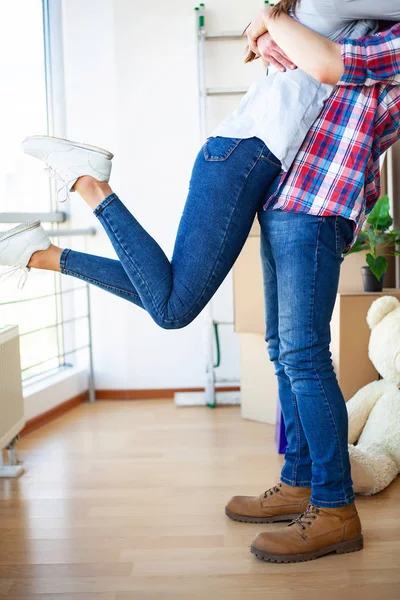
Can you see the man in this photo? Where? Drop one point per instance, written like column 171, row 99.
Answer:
column 306, row 226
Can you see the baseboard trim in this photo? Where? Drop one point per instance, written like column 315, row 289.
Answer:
column 65, row 407
column 54, row 413
column 167, row 393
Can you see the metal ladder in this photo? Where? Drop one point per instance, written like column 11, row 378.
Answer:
column 211, row 326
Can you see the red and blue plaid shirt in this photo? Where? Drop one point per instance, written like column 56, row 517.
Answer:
column 337, row 171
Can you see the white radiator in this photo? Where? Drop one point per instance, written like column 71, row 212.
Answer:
column 11, row 399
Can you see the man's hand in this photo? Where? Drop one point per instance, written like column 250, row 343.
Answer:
column 271, row 54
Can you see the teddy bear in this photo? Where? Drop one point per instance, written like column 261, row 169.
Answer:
column 374, row 411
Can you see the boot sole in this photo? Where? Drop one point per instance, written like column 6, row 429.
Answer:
column 19, row 229
column 246, row 519
column 63, row 141
column 340, row 548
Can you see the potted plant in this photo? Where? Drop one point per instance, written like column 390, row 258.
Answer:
column 376, row 233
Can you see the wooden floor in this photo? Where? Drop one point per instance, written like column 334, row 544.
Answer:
column 125, row 500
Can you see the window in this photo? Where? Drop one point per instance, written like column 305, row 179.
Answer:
column 51, row 315
column 23, row 105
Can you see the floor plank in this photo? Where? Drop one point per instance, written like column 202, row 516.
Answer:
column 125, row 500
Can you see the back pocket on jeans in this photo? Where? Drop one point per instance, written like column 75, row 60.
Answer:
column 219, row 148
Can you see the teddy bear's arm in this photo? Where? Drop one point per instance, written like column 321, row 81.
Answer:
column 361, row 404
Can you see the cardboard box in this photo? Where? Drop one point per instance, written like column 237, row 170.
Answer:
column 350, row 339
column 259, row 387
column 248, row 293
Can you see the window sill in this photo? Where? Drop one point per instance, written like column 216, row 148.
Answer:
column 51, row 391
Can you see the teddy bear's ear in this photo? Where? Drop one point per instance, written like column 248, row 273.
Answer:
column 380, row 308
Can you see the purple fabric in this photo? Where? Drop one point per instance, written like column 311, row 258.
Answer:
column 280, row 436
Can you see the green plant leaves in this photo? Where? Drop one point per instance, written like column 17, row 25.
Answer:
column 377, row 265
column 358, row 246
column 377, row 233
column 379, row 217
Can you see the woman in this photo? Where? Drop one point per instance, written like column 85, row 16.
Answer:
column 230, row 179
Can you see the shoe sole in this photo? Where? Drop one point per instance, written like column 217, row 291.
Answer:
column 246, row 519
column 340, row 548
column 63, row 141
column 19, row 229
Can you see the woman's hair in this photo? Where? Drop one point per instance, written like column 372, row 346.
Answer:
column 283, row 7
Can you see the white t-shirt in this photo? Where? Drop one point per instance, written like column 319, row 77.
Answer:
column 281, row 108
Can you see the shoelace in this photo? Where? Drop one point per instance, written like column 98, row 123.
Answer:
column 63, row 192
column 10, row 272
column 275, row 488
column 311, row 512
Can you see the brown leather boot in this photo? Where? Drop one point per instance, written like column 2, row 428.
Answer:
column 280, row 503
column 317, row 532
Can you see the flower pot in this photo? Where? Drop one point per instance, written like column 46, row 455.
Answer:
column 371, row 284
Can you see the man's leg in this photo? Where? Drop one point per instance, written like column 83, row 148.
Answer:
column 307, row 252
column 286, row 500
column 297, row 468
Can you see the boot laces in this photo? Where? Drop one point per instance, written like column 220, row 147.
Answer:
column 309, row 515
column 275, row 489
column 10, row 272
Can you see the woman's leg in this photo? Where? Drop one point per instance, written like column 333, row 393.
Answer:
column 297, row 468
column 230, row 179
column 105, row 273
column 307, row 252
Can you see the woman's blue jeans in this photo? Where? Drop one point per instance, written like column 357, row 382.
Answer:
column 229, row 182
column 301, row 257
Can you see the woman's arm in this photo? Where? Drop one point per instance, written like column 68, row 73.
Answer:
column 366, row 61
column 316, row 55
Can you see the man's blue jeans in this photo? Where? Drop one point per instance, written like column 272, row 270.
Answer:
column 301, row 257
column 229, row 182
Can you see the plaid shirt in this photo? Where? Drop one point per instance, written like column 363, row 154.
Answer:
column 337, row 171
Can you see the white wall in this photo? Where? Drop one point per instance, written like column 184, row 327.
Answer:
column 131, row 84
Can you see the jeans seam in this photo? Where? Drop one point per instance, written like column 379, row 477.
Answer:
column 336, row 235
column 338, row 503
column 104, row 204
column 338, row 251
column 312, row 361
column 100, row 284
column 298, row 448
column 63, row 259
column 295, row 483
column 210, row 158
column 270, row 161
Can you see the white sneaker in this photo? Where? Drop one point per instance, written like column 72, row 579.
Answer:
column 67, row 161
column 17, row 246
